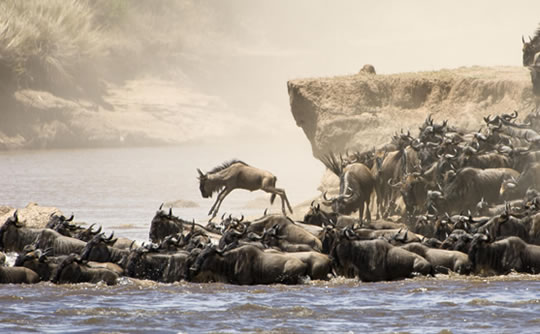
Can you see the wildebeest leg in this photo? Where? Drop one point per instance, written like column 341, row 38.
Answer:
column 368, row 212
column 281, row 193
column 215, row 208
column 361, row 212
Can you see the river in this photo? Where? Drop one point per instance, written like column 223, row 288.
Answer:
column 122, row 188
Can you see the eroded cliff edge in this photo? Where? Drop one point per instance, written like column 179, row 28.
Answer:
column 357, row 112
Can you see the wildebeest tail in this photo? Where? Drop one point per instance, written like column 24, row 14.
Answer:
column 331, row 162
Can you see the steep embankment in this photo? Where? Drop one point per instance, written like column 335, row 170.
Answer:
column 360, row 111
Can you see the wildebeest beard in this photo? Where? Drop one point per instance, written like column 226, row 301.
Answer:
column 209, row 187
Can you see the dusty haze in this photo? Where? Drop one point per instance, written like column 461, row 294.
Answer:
column 192, row 72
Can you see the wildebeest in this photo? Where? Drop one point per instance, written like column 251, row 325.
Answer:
column 73, row 270
column 237, row 174
column 501, row 257
column 468, row 187
column 59, row 244
column 356, row 183
column 287, row 228
column 274, row 238
column 14, row 236
column 17, row 275
column 529, row 178
column 375, row 260
column 38, row 261
column 454, row 260
column 164, row 224
column 246, row 265
column 319, row 266
column 99, row 249
column 531, row 48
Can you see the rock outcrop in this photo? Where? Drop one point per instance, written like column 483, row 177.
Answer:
column 32, row 215
column 360, row 111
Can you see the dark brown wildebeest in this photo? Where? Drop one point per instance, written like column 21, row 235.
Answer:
column 14, row 236
column 99, row 249
column 501, row 257
column 164, row 224
column 468, row 187
column 236, row 174
column 246, row 265
column 454, row 260
column 59, row 244
column 38, row 261
column 374, row 260
column 73, row 270
column 356, row 183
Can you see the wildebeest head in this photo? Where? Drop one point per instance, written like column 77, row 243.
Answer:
column 61, row 224
column 8, row 231
column 509, row 188
column 88, row 234
column 435, row 201
column 204, row 186
column 207, row 252
column 68, row 270
column 343, row 203
column 97, row 248
column 317, row 216
column 479, row 241
column 528, row 51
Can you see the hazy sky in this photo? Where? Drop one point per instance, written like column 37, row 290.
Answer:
column 244, row 51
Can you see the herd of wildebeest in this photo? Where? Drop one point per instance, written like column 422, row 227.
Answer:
column 445, row 201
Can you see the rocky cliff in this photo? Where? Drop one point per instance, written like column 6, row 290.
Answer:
column 357, row 112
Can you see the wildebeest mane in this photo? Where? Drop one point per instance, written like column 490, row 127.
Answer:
column 225, row 165
column 536, row 38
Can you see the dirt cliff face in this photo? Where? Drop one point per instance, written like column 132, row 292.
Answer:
column 360, row 111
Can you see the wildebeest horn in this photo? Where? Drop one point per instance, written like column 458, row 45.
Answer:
column 170, row 212
column 522, row 39
column 201, row 174
column 396, row 185
column 223, row 215
column 98, row 230
column 161, row 207
column 265, row 212
column 70, row 218
column 327, row 201
column 349, row 233
column 514, row 114
column 241, row 219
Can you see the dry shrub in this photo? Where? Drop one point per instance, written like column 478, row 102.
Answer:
column 49, row 43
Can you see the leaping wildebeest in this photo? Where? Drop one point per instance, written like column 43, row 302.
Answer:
column 237, row 174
